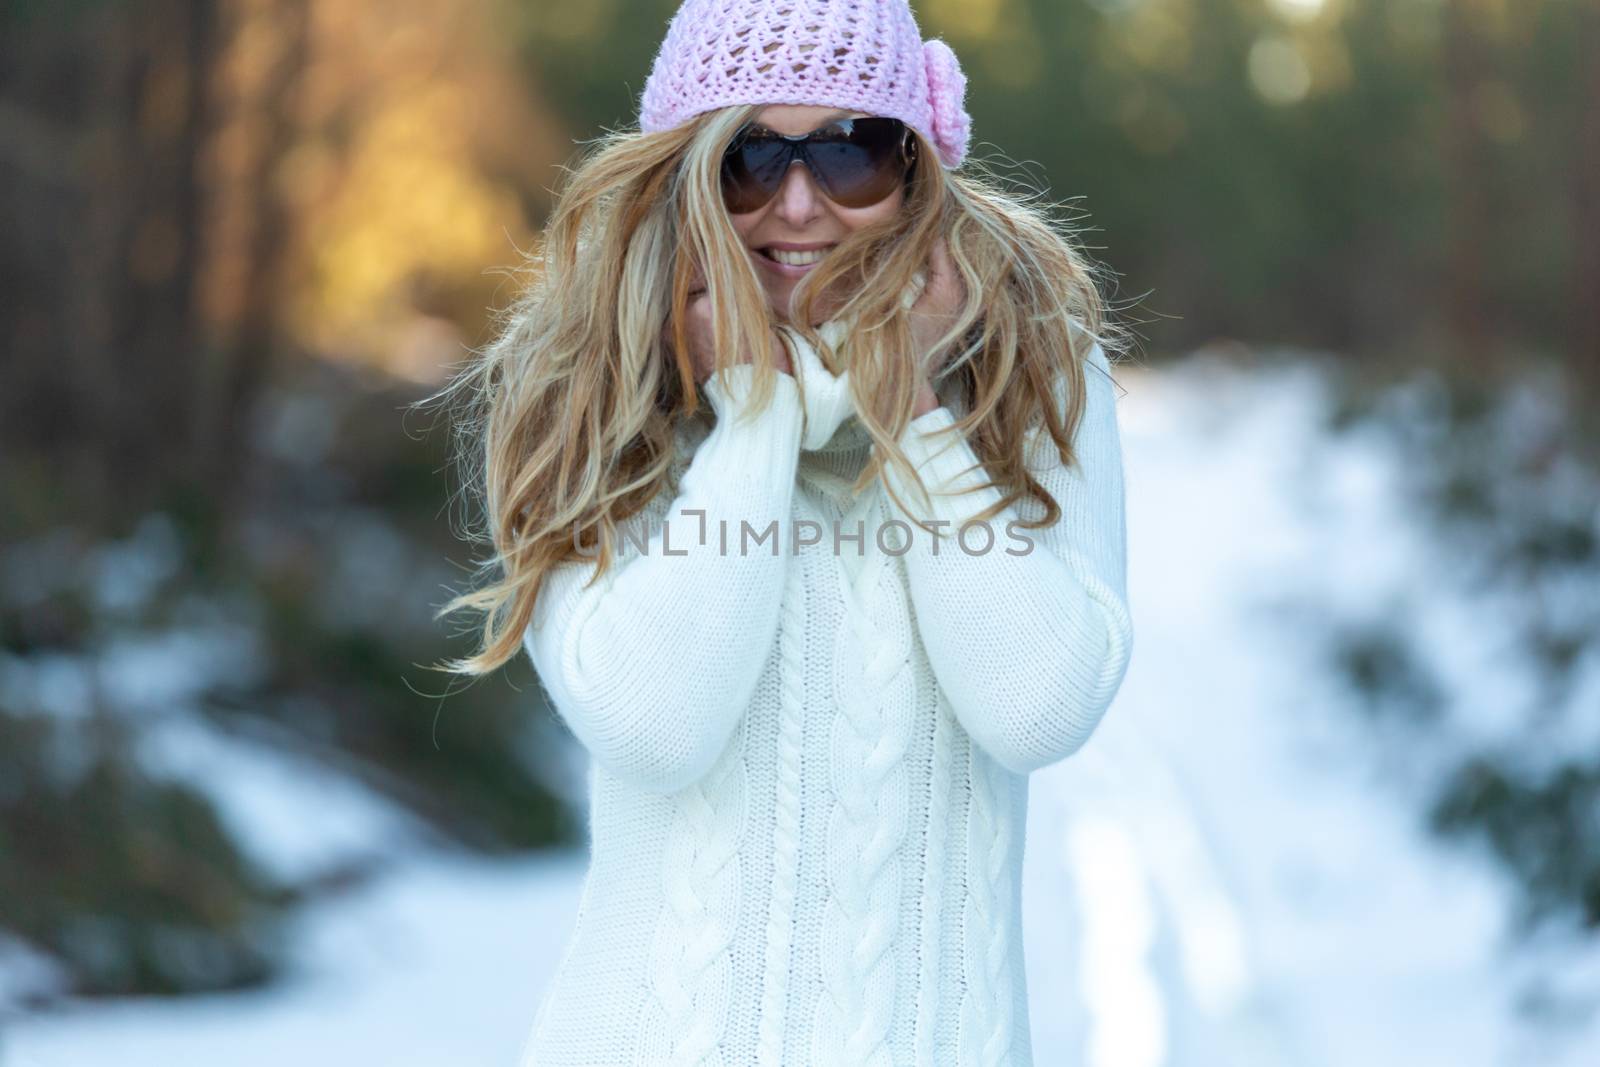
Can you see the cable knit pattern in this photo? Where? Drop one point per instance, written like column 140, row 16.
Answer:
column 786, row 824
column 807, row 766
column 866, row 56
column 691, row 972
column 875, row 694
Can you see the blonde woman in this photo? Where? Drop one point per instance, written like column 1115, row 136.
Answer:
column 805, row 488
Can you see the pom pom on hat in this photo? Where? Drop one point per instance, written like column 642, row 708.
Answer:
column 947, row 90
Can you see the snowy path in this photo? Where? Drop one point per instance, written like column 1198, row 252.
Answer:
column 1216, row 880
column 1231, row 883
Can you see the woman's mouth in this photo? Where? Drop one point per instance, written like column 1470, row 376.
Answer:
column 789, row 263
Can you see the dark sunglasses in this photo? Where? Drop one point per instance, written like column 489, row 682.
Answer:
column 857, row 162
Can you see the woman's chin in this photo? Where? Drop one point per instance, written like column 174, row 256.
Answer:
column 778, row 302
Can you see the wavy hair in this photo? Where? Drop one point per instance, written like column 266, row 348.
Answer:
column 571, row 412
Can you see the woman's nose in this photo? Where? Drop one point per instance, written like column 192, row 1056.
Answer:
column 799, row 196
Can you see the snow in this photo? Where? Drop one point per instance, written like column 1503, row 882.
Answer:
column 1230, row 874
column 438, row 964
column 296, row 819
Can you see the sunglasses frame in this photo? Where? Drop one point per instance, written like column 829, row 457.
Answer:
column 798, row 147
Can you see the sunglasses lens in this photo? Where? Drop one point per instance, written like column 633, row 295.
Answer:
column 752, row 171
column 857, row 162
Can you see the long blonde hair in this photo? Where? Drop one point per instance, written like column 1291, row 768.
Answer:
column 572, row 410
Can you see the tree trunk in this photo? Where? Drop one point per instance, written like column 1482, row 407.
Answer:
column 223, row 438
column 152, row 358
column 1586, row 216
column 1468, row 304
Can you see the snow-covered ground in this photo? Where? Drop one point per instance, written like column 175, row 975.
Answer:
column 1223, row 877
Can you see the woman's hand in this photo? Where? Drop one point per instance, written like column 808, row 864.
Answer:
column 702, row 355
column 932, row 316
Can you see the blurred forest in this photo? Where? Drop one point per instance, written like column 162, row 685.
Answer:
column 243, row 235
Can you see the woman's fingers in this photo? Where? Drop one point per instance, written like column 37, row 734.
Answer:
column 702, row 354
column 943, row 291
column 944, row 280
column 935, row 310
column 780, row 352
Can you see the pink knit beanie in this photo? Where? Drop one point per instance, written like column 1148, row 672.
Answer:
column 865, row 55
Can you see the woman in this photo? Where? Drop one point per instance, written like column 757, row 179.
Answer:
column 810, row 719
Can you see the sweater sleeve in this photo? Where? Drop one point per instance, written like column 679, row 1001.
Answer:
column 1028, row 631
column 653, row 664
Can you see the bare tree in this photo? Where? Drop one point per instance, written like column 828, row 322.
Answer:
column 1586, row 215
column 103, row 117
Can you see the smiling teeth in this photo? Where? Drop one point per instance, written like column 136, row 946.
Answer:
column 797, row 259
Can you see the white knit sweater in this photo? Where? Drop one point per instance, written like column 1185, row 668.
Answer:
column 808, row 782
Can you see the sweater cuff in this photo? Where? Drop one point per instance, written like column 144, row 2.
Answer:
column 827, row 401
column 948, row 466
column 766, row 442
